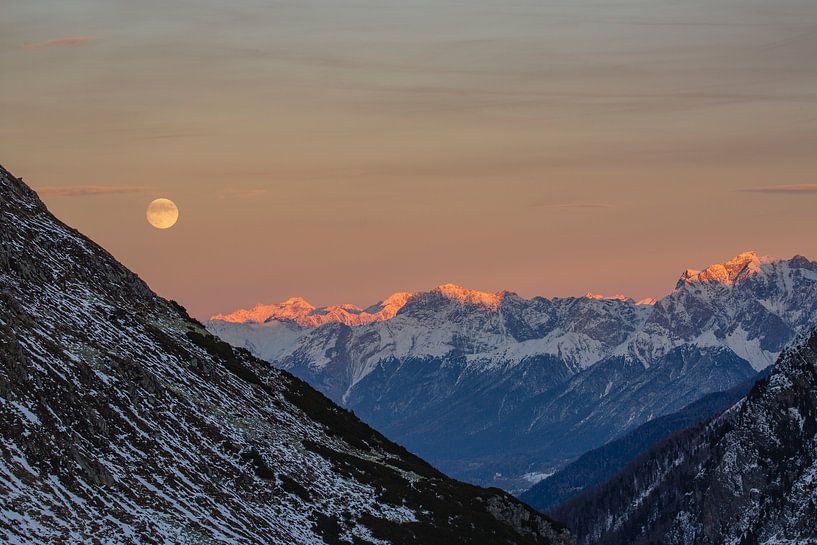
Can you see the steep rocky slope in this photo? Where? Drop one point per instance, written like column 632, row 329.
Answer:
column 123, row 421
column 599, row 465
column 746, row 477
column 500, row 390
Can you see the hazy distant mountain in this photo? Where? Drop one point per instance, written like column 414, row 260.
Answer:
column 498, row 389
column 747, row 477
column 596, row 467
column 123, row 421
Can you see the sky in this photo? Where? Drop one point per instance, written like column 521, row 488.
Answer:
column 345, row 150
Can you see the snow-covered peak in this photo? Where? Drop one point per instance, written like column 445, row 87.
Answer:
column 600, row 297
column 301, row 312
column 297, row 302
column 728, row 273
column 389, row 306
column 293, row 309
column 463, row 296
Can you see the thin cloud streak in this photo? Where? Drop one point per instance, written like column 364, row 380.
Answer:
column 791, row 189
column 575, row 205
column 67, row 41
column 88, row 190
column 243, row 192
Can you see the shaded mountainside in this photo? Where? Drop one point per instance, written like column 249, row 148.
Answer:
column 124, row 421
column 499, row 390
column 747, row 477
column 488, row 428
column 597, row 466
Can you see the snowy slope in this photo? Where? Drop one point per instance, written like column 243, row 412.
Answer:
column 123, row 421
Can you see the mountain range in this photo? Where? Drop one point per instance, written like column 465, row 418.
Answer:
column 502, row 390
column 123, row 421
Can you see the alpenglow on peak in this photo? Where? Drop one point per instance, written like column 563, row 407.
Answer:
column 728, row 273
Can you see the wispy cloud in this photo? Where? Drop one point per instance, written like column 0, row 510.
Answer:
column 574, row 205
column 88, row 190
column 244, row 192
column 791, row 189
column 67, row 41
column 166, row 136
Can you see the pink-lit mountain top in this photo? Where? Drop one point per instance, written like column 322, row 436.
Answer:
column 300, row 311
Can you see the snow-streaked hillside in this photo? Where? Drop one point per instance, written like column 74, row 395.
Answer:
column 123, row 421
column 747, row 477
column 597, row 466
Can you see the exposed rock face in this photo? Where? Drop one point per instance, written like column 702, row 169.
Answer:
column 123, row 421
column 498, row 389
column 747, row 477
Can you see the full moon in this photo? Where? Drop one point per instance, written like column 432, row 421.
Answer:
column 162, row 213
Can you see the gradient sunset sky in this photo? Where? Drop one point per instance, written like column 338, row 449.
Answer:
column 344, row 150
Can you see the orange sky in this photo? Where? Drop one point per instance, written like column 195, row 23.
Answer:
column 345, row 150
